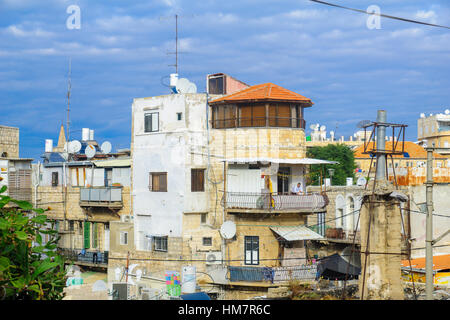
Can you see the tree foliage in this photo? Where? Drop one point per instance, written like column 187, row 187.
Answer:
column 334, row 152
column 29, row 269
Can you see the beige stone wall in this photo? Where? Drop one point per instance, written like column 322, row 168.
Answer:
column 382, row 280
column 52, row 198
column 9, row 141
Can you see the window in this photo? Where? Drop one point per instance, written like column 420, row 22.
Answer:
column 158, row 181
column 71, row 225
column 179, row 116
column 321, row 223
column 251, row 248
column 203, row 217
column 207, row 241
column 152, row 122
column 123, row 238
column 160, row 243
column 94, row 235
column 87, row 240
column 197, row 180
column 54, row 179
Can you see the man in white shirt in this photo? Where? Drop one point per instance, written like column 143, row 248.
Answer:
column 297, row 189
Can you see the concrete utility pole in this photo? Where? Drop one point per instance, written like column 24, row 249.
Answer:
column 429, row 227
column 381, row 145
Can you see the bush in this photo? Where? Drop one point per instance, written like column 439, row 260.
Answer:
column 29, row 269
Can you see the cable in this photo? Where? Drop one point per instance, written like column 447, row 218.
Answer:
column 379, row 14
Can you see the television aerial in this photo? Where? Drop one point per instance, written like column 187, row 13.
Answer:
column 364, row 123
column 74, row 146
column 106, row 147
column 228, row 229
column 322, row 128
column 185, row 86
column 90, row 151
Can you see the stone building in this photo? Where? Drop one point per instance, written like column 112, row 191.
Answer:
column 435, row 130
column 83, row 196
column 200, row 160
column 15, row 172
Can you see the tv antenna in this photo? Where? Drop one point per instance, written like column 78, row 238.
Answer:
column 69, row 88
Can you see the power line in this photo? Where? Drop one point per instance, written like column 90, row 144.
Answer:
column 380, row 14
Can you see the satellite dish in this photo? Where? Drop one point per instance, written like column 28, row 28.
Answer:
column 228, row 229
column 185, row 86
column 361, row 181
column 106, row 147
column 74, row 146
column 447, row 111
column 363, row 123
column 422, row 115
column 90, row 151
column 322, row 128
column 312, row 127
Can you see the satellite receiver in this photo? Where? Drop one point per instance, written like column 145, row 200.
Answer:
column 228, row 229
column 90, row 151
column 322, row 128
column 361, row 181
column 74, row 146
column 312, row 127
column 106, row 147
column 185, row 86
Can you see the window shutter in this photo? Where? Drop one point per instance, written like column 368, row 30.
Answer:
column 87, row 240
column 94, row 235
column 163, row 182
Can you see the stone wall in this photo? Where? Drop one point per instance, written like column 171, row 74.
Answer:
column 9, row 142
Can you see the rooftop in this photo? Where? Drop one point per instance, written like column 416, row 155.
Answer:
column 411, row 150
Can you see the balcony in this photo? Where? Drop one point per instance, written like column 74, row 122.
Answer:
column 242, row 202
column 110, row 197
column 272, row 274
column 251, row 122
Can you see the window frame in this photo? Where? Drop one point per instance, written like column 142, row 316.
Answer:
column 252, row 240
column 160, row 243
column 123, row 238
column 161, row 187
column 55, row 178
column 198, row 180
column 151, row 129
column 208, row 243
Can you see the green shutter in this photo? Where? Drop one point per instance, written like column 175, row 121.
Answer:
column 94, row 235
column 87, row 233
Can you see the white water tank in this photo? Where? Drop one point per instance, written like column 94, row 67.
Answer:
column 85, row 134
column 173, row 79
column 48, row 145
column 188, row 279
column 91, row 135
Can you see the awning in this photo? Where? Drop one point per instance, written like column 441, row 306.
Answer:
column 295, row 233
column 276, row 160
column 113, row 163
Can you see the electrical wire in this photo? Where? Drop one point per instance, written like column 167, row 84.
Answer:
column 379, row 14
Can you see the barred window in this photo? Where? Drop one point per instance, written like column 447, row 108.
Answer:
column 160, row 243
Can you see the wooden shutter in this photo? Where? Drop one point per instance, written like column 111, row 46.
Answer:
column 259, row 116
column 197, row 180
column 284, row 115
column 245, row 116
column 87, row 234
column 94, row 235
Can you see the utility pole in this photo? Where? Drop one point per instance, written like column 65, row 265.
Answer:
column 429, row 227
column 381, row 146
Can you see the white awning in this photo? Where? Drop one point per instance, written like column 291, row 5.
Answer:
column 113, row 163
column 276, row 160
column 295, row 233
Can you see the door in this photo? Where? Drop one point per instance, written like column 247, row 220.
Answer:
column 283, row 180
column 106, row 237
column 108, row 177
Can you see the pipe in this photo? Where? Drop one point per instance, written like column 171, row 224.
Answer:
column 381, row 146
column 429, row 227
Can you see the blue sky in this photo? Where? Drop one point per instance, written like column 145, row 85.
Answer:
column 120, row 52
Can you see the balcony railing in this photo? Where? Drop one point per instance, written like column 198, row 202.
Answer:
column 101, row 197
column 244, row 122
column 272, row 274
column 274, row 202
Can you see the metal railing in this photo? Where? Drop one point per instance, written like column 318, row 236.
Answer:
column 275, row 202
column 284, row 122
column 272, row 274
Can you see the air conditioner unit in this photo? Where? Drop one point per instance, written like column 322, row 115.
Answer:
column 126, row 218
column 213, row 257
column 150, row 294
column 121, row 291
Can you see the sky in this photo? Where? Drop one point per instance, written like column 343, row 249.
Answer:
column 349, row 66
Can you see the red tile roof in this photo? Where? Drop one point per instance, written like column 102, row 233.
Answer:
column 263, row 92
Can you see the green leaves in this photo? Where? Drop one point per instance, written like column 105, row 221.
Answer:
column 24, row 274
column 3, row 189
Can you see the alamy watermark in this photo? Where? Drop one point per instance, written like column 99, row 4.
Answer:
column 74, row 20
column 374, row 19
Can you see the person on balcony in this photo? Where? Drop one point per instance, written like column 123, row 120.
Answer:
column 297, row 189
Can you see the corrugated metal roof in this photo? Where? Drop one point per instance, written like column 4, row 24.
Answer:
column 295, row 233
column 113, row 163
column 275, row 160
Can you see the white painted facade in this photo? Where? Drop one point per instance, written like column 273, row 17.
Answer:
column 175, row 148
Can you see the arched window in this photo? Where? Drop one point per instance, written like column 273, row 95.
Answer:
column 340, row 211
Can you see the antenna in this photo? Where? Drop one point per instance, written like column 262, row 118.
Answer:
column 74, row 146
column 69, row 88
